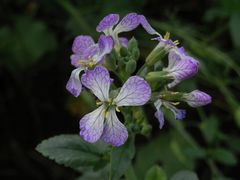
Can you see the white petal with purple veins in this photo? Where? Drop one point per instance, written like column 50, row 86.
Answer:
column 91, row 125
column 114, row 133
column 74, row 85
column 107, row 22
column 128, row 23
column 145, row 24
column 81, row 43
column 135, row 92
column 98, row 81
column 105, row 44
column 197, row 98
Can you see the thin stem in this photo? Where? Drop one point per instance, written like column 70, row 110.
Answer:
column 110, row 166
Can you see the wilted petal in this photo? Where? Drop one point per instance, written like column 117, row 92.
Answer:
column 98, row 81
column 178, row 113
column 135, row 92
column 105, row 44
column 145, row 24
column 91, row 125
column 81, row 43
column 159, row 114
column 114, row 132
column 107, row 22
column 74, row 85
column 197, row 98
column 123, row 41
column 128, row 23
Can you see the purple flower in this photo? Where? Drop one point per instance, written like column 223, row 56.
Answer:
column 128, row 23
column 86, row 54
column 180, row 66
column 197, row 98
column 178, row 113
column 103, row 122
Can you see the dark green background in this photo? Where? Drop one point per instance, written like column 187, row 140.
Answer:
column 35, row 45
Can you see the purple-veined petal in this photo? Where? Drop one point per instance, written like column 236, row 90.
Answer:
column 105, row 44
column 182, row 70
column 159, row 114
column 197, row 98
column 145, row 24
column 128, row 23
column 123, row 41
column 173, row 58
column 114, row 133
column 107, row 22
column 75, row 60
column 165, row 42
column 81, row 43
column 135, row 92
column 91, row 125
column 74, row 85
column 98, row 81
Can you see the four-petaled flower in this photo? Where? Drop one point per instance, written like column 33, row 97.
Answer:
column 103, row 123
column 86, row 54
column 180, row 66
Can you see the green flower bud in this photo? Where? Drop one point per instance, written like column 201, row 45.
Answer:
column 132, row 44
column 157, row 54
column 131, row 66
column 123, row 51
column 135, row 54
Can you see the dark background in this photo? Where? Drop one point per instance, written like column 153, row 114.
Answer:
column 35, row 45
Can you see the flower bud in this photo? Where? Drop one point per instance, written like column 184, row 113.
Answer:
column 197, row 98
column 131, row 66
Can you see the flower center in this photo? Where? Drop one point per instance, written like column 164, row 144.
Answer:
column 86, row 63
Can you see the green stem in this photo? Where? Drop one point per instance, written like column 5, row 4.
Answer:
column 110, row 166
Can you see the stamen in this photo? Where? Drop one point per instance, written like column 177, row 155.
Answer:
column 166, row 36
column 99, row 103
column 175, row 104
column 106, row 114
column 117, row 109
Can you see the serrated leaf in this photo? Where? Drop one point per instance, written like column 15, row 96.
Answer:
column 224, row 156
column 184, row 175
column 155, row 173
column 72, row 151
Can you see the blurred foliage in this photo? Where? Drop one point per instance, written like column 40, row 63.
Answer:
column 35, row 45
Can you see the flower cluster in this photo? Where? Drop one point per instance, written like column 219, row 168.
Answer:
column 90, row 60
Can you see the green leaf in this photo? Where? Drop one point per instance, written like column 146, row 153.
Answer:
column 234, row 25
column 155, row 173
column 224, row 156
column 122, row 157
column 209, row 128
column 184, row 175
column 72, row 151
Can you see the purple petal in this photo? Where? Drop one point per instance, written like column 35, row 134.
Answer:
column 107, row 22
column 182, row 70
column 135, row 92
column 91, row 125
column 159, row 114
column 75, row 60
column 81, row 43
column 180, row 114
column 105, row 44
column 98, row 81
column 173, row 58
column 145, row 24
column 128, row 23
column 114, row 133
column 123, row 41
column 74, row 85
column 197, row 98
